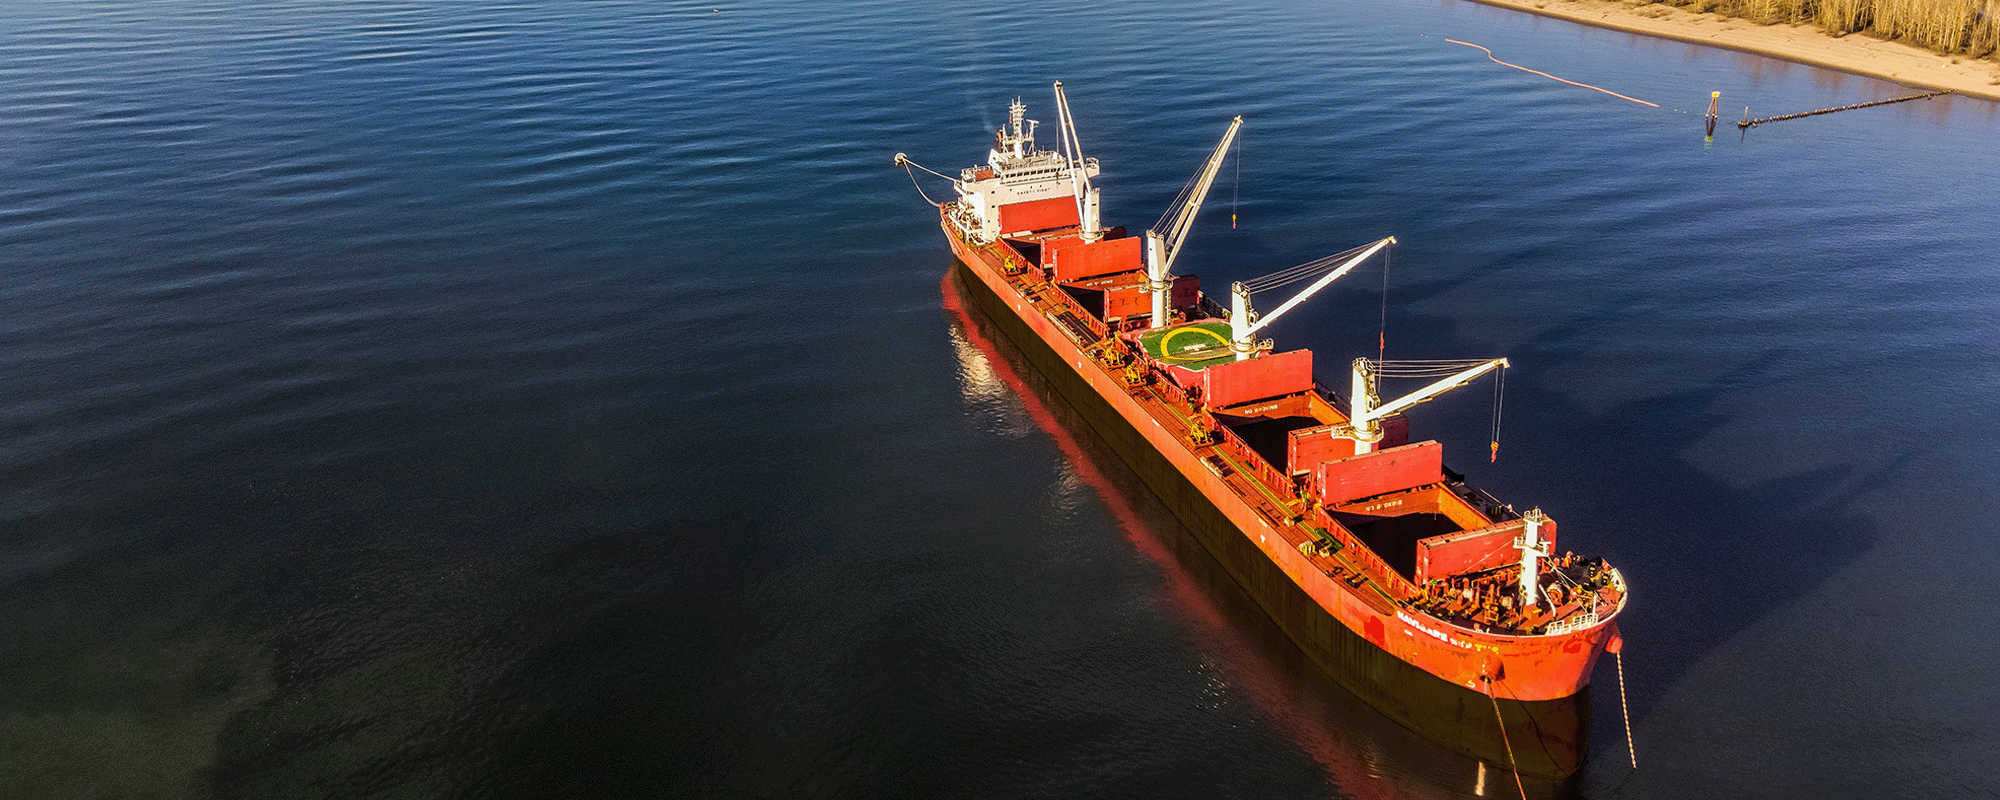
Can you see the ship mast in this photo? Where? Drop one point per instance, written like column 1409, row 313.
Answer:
column 1012, row 142
column 1163, row 245
column 1086, row 194
column 1533, row 548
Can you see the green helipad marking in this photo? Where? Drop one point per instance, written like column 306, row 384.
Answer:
column 1176, row 342
column 1194, row 345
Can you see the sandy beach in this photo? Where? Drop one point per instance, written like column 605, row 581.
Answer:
column 1856, row 53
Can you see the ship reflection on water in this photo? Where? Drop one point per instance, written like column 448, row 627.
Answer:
column 1363, row 753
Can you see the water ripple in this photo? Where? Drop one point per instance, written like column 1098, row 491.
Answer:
column 426, row 346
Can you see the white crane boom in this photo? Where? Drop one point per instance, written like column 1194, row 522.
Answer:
column 1242, row 331
column 1363, row 414
column 1163, row 246
column 1086, row 194
column 1181, row 217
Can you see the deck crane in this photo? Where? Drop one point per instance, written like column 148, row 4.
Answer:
column 1086, row 194
column 1164, row 242
column 1244, row 323
column 1363, row 411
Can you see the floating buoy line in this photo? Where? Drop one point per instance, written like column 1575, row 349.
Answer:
column 1714, row 97
column 1489, row 54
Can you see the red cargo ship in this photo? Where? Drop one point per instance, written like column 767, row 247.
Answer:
column 1431, row 600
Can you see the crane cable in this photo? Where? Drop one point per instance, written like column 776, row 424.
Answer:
column 1499, row 396
column 1436, row 368
column 1382, row 332
column 1187, row 190
column 1176, row 207
column 1236, row 199
column 1294, row 274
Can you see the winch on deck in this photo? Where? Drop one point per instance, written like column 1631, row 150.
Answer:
column 1579, row 592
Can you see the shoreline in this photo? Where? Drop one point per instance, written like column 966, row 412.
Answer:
column 1855, row 53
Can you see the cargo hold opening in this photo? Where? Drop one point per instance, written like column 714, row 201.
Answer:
column 1394, row 525
column 1395, row 538
column 1266, row 435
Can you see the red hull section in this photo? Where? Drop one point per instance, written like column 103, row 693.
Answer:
column 1381, row 564
column 1210, row 596
column 1350, row 583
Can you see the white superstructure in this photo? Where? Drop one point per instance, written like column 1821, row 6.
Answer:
column 1017, row 173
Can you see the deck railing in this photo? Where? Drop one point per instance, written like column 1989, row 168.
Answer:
column 1583, row 618
column 1332, row 397
column 1361, row 556
column 1281, row 489
column 1065, row 303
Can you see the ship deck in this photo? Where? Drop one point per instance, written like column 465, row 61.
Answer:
column 1369, row 550
column 1272, row 500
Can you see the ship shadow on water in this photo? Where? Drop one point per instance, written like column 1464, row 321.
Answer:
column 1707, row 558
column 1363, row 753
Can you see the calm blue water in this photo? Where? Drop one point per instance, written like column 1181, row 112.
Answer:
column 531, row 399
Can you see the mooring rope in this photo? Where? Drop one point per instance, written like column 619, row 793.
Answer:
column 905, row 162
column 1541, row 737
column 1489, row 54
column 1503, row 739
column 1630, row 748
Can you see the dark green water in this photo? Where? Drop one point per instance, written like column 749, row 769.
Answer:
column 418, row 399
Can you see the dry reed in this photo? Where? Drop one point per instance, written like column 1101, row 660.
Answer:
column 1971, row 27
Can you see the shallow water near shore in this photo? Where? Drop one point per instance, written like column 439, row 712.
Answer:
column 536, row 399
